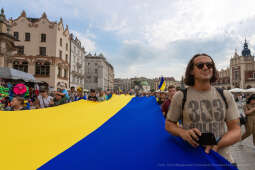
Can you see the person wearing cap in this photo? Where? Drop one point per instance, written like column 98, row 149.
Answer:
column 80, row 94
column 59, row 99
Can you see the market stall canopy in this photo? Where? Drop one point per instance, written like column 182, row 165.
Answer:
column 10, row 73
column 237, row 90
column 251, row 90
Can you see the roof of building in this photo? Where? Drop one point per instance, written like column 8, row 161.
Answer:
column 33, row 19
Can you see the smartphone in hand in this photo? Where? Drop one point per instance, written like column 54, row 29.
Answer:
column 207, row 139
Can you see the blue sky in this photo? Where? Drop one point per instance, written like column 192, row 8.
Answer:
column 147, row 37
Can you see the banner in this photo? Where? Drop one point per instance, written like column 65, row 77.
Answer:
column 135, row 138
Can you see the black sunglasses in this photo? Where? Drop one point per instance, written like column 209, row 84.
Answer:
column 201, row 65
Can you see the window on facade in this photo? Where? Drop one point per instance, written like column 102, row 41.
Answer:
column 95, row 79
column 20, row 50
column 60, row 54
column 60, row 42
column 42, row 51
column 74, row 50
column 42, row 69
column 27, row 36
column 253, row 75
column 43, row 37
column 65, row 73
column 66, row 46
column 95, row 70
column 236, row 75
column 66, row 58
column 16, row 35
column 23, row 66
column 59, row 72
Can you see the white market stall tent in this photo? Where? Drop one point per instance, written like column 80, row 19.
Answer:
column 237, row 90
column 251, row 90
column 10, row 73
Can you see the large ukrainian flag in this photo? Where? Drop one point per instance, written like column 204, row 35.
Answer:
column 162, row 84
column 124, row 133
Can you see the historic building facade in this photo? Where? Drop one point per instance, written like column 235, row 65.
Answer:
column 43, row 49
column 240, row 73
column 99, row 73
column 122, row 84
column 7, row 46
column 77, row 63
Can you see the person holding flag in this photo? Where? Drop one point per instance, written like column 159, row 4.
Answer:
column 162, row 86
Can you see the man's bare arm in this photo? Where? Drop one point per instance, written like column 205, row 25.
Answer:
column 190, row 135
column 232, row 136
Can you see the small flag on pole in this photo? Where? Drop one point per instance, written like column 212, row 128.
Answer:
column 162, row 84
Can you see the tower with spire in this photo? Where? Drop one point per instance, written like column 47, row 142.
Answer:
column 246, row 51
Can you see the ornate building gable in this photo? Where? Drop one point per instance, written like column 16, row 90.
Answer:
column 33, row 22
column 60, row 25
column 66, row 31
column 77, row 42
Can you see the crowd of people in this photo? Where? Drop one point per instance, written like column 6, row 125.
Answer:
column 43, row 98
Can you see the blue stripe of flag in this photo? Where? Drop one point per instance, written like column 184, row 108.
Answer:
column 135, row 138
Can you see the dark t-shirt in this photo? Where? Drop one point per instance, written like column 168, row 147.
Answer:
column 59, row 102
column 92, row 98
column 165, row 106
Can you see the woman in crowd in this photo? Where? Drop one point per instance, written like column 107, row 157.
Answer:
column 101, row 96
column 92, row 95
column 44, row 100
column 249, row 110
column 17, row 103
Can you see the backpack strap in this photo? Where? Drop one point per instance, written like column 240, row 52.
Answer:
column 220, row 91
column 184, row 91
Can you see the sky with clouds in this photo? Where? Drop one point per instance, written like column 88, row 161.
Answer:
column 147, row 37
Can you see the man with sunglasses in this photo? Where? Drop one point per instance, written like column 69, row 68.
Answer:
column 205, row 110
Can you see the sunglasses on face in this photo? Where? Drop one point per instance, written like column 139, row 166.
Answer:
column 201, row 65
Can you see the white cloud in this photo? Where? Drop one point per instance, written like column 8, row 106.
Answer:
column 155, row 37
column 197, row 19
column 115, row 24
column 89, row 45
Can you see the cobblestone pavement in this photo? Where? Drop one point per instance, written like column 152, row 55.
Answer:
column 244, row 153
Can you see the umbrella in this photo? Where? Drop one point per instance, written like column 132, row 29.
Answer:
column 237, row 90
column 10, row 73
column 19, row 89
